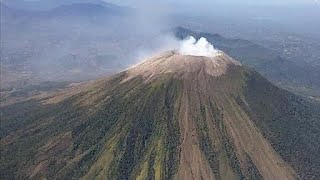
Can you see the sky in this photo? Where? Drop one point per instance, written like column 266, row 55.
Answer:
column 185, row 3
column 241, row 2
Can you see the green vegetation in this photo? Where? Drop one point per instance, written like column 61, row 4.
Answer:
column 291, row 124
column 206, row 144
column 227, row 145
column 143, row 113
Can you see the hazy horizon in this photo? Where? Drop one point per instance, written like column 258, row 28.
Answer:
column 76, row 42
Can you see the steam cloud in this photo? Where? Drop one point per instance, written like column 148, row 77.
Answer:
column 202, row 47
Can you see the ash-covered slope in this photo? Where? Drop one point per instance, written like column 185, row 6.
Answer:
column 172, row 62
column 173, row 116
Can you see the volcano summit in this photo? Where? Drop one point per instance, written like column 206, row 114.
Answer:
column 174, row 116
column 178, row 64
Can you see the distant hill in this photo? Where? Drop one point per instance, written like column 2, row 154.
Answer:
column 87, row 9
column 7, row 11
column 52, row 34
column 247, row 52
column 69, row 10
column 45, row 5
column 266, row 61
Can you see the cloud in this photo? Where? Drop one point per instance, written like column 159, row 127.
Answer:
column 202, row 47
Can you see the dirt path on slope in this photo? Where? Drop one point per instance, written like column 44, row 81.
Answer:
column 193, row 164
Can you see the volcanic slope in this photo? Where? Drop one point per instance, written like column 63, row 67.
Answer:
column 171, row 117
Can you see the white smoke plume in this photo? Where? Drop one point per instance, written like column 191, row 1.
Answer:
column 202, row 47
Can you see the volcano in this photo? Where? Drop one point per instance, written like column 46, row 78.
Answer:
column 172, row 116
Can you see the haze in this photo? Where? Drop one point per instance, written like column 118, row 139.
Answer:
column 77, row 40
